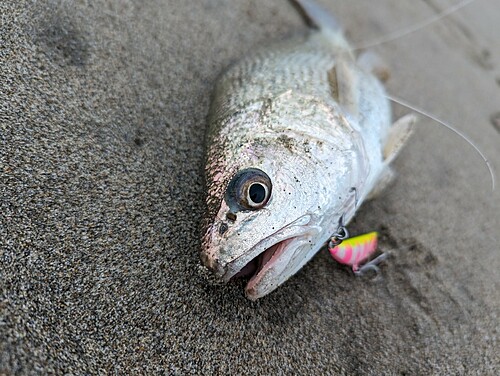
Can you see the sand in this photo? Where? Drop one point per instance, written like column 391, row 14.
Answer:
column 102, row 117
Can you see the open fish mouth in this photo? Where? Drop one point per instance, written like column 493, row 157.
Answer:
column 276, row 253
column 258, row 266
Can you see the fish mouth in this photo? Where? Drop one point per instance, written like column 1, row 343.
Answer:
column 275, row 253
column 258, row 266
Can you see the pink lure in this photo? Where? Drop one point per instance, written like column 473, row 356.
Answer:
column 356, row 250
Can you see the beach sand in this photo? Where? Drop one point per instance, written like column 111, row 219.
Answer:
column 102, row 118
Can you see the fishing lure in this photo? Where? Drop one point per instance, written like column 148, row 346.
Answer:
column 355, row 251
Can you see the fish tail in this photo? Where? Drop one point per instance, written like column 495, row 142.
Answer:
column 317, row 16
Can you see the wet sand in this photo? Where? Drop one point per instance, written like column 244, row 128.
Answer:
column 102, row 120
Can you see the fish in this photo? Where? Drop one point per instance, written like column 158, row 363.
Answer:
column 300, row 134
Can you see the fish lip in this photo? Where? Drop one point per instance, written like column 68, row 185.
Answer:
column 286, row 247
column 295, row 229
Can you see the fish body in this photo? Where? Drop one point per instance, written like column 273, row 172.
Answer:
column 296, row 141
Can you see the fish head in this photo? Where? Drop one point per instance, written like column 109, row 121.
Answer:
column 266, row 203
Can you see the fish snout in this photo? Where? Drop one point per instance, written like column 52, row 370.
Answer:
column 208, row 261
column 212, row 263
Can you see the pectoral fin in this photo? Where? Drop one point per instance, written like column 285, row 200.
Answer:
column 344, row 87
column 385, row 179
column 399, row 134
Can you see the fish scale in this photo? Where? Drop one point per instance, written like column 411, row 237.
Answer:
column 270, row 73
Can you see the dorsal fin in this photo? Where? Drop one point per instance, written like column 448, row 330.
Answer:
column 315, row 15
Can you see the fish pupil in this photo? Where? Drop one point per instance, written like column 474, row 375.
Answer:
column 257, row 193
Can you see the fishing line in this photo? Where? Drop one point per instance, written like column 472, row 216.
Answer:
column 446, row 125
column 418, row 26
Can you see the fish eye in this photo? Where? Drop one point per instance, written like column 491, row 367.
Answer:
column 257, row 194
column 249, row 189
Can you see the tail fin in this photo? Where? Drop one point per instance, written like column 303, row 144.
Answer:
column 316, row 16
